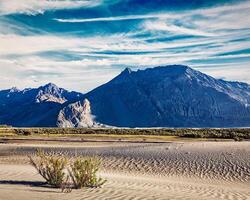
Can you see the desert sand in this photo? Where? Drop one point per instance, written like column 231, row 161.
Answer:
column 174, row 170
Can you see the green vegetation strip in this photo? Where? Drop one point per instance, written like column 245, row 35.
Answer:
column 227, row 133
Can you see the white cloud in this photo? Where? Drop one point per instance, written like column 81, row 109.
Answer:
column 232, row 72
column 225, row 11
column 38, row 43
column 21, row 65
column 33, row 7
column 34, row 71
column 216, row 21
column 117, row 18
column 100, row 67
column 163, row 26
column 227, row 8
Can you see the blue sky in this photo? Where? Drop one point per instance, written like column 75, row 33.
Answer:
column 82, row 44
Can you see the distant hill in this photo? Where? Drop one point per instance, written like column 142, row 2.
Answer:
column 169, row 96
column 34, row 106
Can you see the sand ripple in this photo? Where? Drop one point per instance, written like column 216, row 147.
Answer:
column 190, row 170
column 227, row 161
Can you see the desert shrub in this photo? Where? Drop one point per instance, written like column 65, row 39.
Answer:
column 83, row 172
column 50, row 167
column 237, row 139
column 66, row 186
column 26, row 133
column 22, row 132
column 191, row 135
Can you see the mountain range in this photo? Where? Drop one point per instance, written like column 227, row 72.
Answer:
column 34, row 106
column 168, row 96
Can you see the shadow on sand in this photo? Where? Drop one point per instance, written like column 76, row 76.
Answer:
column 31, row 184
column 28, row 183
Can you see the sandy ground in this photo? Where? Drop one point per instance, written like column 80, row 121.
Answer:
column 176, row 170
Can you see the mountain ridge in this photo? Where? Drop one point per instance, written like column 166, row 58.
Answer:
column 151, row 85
column 164, row 96
column 34, row 106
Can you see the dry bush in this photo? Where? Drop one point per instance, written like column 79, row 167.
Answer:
column 66, row 186
column 50, row 167
column 83, row 172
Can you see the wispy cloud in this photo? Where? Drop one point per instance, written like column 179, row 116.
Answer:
column 230, row 73
column 116, row 18
column 83, row 52
column 33, row 7
column 163, row 26
column 194, row 22
column 34, row 71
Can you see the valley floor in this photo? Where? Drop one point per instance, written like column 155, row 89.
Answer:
column 167, row 170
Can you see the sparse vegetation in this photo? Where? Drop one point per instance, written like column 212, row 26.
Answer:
column 57, row 171
column 224, row 133
column 83, row 173
column 237, row 139
column 50, row 167
column 4, row 126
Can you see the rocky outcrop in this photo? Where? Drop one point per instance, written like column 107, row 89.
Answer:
column 77, row 114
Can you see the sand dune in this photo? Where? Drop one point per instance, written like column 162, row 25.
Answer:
column 190, row 170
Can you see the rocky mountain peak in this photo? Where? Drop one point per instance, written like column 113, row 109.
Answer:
column 50, row 88
column 14, row 89
column 127, row 71
column 50, row 93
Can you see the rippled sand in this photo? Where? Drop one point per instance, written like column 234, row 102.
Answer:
column 178, row 170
